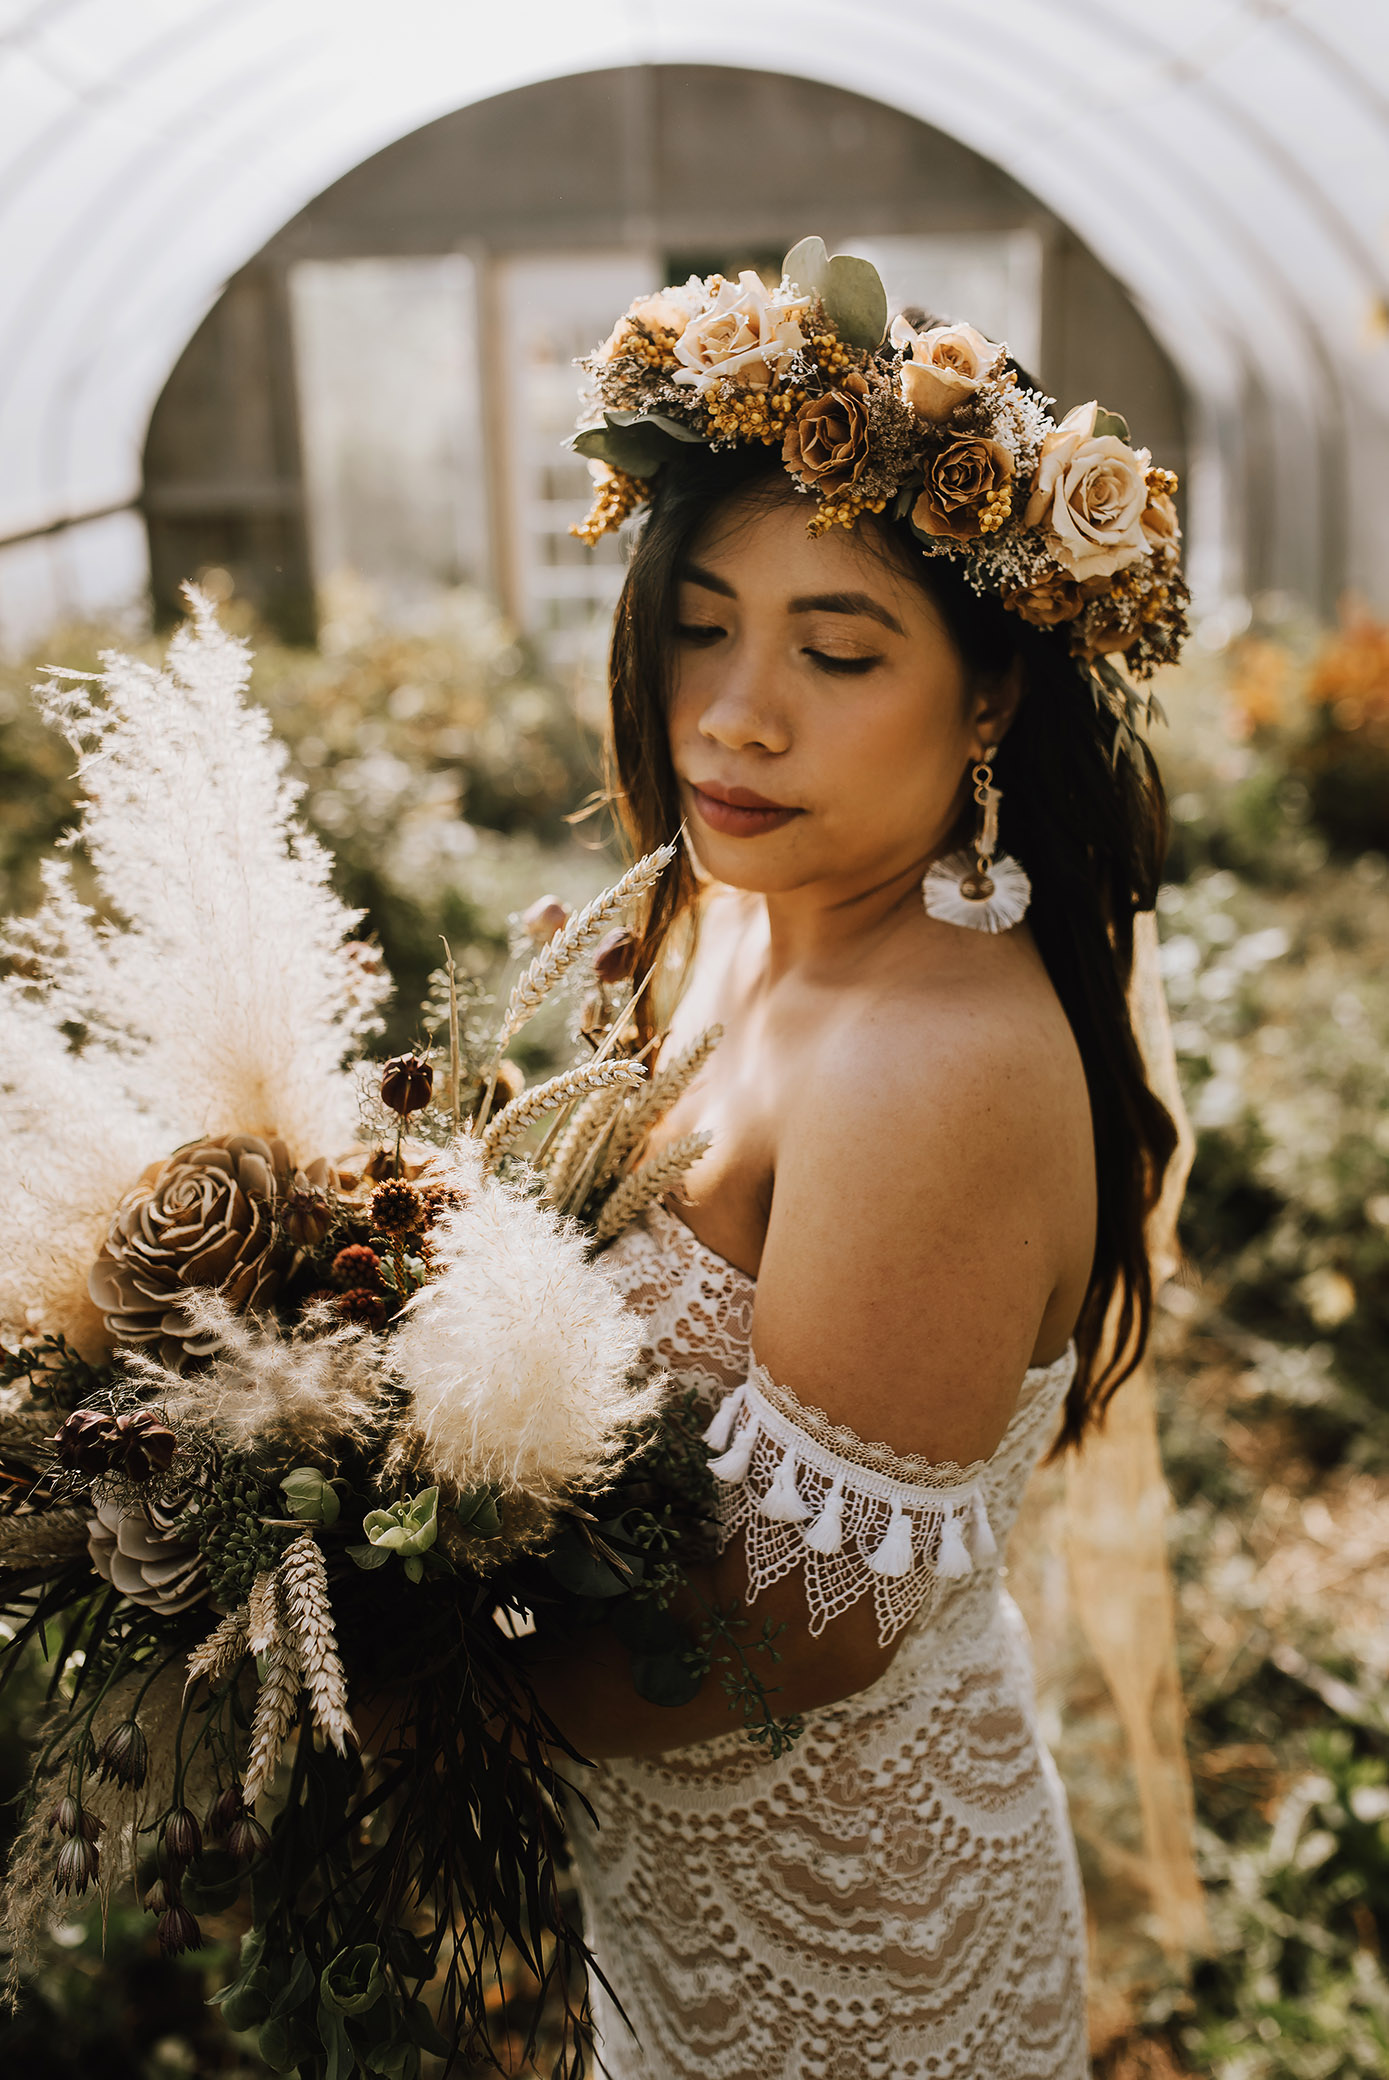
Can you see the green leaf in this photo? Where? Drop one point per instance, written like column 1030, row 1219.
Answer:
column 665, row 1678
column 639, row 450
column 662, row 421
column 342, row 2059
column 575, row 1568
column 368, row 1556
column 276, row 2046
column 297, row 1987
column 247, row 2004
column 353, row 1981
column 408, row 1954
column 478, row 1510
column 425, row 2031
column 851, row 290
column 414, row 1567
column 1112, row 423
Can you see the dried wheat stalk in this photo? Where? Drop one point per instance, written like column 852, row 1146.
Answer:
column 581, row 932
column 577, row 1141
column 643, row 1111
column 652, row 1181
column 308, row 1613
column 277, row 1708
column 42, row 1538
column 511, row 1123
column 224, row 1647
column 262, row 1613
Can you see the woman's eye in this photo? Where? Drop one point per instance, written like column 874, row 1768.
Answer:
column 700, row 633
column 825, row 661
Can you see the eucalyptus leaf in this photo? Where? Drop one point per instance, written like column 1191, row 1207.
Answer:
column 851, row 290
column 276, row 2046
column 639, row 449
column 662, row 421
column 1113, row 423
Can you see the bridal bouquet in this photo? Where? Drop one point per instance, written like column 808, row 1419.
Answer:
column 314, row 1396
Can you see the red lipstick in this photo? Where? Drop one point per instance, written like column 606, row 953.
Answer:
column 738, row 812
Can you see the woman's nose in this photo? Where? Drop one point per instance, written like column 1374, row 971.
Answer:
column 742, row 712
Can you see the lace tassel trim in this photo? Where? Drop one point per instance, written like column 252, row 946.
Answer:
column 850, row 1529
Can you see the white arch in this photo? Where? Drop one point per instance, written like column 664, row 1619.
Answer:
column 1227, row 159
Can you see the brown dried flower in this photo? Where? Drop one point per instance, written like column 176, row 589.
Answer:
column 968, row 490
column 181, row 1838
column 827, row 442
column 365, row 1308
column 84, row 1444
column 204, row 1219
column 307, row 1214
column 246, row 1840
column 136, row 1443
column 1047, row 601
column 407, row 1084
column 124, row 1756
column 357, row 1265
column 78, row 1863
column 178, row 1930
column 615, row 955
column 396, row 1207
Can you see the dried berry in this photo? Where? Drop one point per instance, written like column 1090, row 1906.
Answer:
column 396, row 1207
column 177, row 1930
column 124, row 1755
column 615, row 955
column 367, row 1309
column 356, row 1266
column 407, row 1084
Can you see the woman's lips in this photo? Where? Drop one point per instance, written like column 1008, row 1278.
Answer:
column 736, row 812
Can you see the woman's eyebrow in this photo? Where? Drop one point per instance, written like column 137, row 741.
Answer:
column 846, row 603
column 695, row 574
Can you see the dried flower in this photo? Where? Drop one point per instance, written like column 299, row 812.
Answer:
column 615, row 955
column 1048, row 600
column 277, row 1707
column 136, row 1443
column 246, row 1840
column 356, row 1266
column 968, row 490
column 407, row 1084
column 1091, row 494
column 827, row 442
column 178, row 1930
column 546, row 916
column 147, row 1554
column 365, row 1309
column 396, row 1207
column 204, row 1218
column 78, row 1863
column 944, row 367
column 160, row 1897
column 124, row 1755
column 69, row 1819
column 307, row 1213
column 226, row 1809
column 181, row 1838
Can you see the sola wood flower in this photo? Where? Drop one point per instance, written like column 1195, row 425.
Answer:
column 203, row 1219
column 144, row 1554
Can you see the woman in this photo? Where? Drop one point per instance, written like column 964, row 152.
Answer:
column 913, row 1256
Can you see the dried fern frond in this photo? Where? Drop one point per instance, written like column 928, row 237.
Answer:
column 43, row 1538
column 577, row 1141
column 262, row 1613
column 511, row 1123
column 652, row 1181
column 277, row 1708
column 582, row 932
column 308, row 1614
column 641, row 1113
column 226, row 1645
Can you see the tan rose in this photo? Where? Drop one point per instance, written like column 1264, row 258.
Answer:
column 745, row 333
column 943, row 367
column 965, row 486
column 1161, row 527
column 827, row 441
column 1048, row 601
column 1090, row 492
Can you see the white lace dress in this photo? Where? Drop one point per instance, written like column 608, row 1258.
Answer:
column 897, row 1896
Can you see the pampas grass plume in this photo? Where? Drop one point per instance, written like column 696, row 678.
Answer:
column 517, row 1356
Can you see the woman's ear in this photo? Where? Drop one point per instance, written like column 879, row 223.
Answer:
column 996, row 704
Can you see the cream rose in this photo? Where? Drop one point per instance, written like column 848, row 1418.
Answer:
column 1160, row 523
column 744, row 333
column 944, row 366
column 1090, row 492
column 668, row 310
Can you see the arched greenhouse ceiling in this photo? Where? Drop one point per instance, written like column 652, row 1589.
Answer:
column 1228, row 160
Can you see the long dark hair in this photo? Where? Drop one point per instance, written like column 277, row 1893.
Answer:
column 1090, row 829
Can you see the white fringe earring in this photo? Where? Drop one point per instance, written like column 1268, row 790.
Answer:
column 973, row 888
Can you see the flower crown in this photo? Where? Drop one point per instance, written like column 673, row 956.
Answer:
column 1067, row 523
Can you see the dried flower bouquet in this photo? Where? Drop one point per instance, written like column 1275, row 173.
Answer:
column 315, row 1393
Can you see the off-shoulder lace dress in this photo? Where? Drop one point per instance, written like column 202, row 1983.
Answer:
column 897, row 1896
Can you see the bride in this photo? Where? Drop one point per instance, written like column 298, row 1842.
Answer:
column 912, row 1260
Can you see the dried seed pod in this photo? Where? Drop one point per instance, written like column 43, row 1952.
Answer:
column 615, row 956
column 308, row 1206
column 124, row 1755
column 407, row 1084
column 143, row 1444
column 396, row 1207
column 181, row 1837
column 366, row 1309
column 222, row 1815
column 246, row 1840
column 160, row 1897
column 84, row 1443
column 356, row 1266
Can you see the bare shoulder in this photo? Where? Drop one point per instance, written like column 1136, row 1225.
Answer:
column 934, row 1196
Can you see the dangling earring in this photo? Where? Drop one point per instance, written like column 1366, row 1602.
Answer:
column 973, row 888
